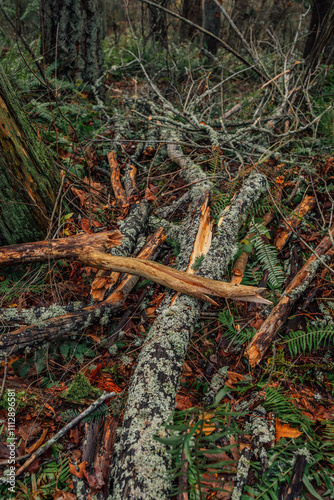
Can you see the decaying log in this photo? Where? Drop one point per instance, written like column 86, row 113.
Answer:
column 269, row 328
column 292, row 491
column 53, row 328
column 293, row 221
column 142, row 463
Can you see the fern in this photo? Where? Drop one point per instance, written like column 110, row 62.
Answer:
column 101, row 411
column 267, row 256
column 282, row 406
column 252, row 275
column 238, row 338
column 316, row 336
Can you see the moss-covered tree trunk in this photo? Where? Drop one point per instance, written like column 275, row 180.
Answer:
column 211, row 22
column 29, row 180
column 72, row 34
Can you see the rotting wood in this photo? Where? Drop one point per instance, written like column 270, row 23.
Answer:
column 53, row 328
column 270, row 327
column 293, row 221
column 64, row 430
column 142, row 464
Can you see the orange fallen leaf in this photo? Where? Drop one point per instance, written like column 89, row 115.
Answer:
column 80, row 473
column 284, row 430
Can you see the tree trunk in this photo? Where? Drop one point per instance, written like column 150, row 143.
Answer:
column 28, row 180
column 158, row 22
column 320, row 21
column 72, row 37
column 192, row 10
column 211, row 22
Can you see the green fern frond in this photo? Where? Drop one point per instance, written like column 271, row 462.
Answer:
column 239, row 338
column 267, row 256
column 316, row 336
column 219, row 204
column 252, row 275
column 100, row 412
column 277, row 402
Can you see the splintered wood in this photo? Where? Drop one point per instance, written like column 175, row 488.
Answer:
column 90, row 249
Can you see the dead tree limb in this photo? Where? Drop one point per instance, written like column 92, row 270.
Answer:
column 141, row 463
column 48, row 329
column 268, row 330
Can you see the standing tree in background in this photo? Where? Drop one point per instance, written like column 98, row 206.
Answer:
column 158, row 23
column 29, row 181
column 192, row 10
column 72, row 37
column 211, row 22
column 321, row 30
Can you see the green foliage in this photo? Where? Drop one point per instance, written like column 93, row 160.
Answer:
column 198, row 262
column 219, row 203
column 175, row 246
column 199, row 438
column 277, row 402
column 318, row 335
column 81, row 389
column 236, row 337
column 267, row 256
column 100, row 412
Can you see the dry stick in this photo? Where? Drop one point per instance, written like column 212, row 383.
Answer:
column 261, row 342
column 56, row 327
column 64, row 430
column 199, row 28
column 142, row 463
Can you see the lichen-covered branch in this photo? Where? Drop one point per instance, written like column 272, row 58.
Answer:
column 141, row 468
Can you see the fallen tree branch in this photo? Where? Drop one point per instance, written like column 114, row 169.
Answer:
column 268, row 330
column 142, row 464
column 50, row 328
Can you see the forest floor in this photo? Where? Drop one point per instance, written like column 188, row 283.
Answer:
column 291, row 387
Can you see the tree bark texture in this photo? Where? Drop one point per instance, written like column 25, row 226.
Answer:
column 72, row 38
column 158, row 22
column 28, row 179
column 141, row 468
column 211, row 22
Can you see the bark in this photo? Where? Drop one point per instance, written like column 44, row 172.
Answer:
column 141, row 468
column 72, row 38
column 211, row 22
column 269, row 328
column 28, row 178
column 158, row 22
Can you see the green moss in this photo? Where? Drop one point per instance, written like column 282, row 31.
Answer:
column 81, row 389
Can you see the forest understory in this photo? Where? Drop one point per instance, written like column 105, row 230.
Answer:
column 172, row 335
